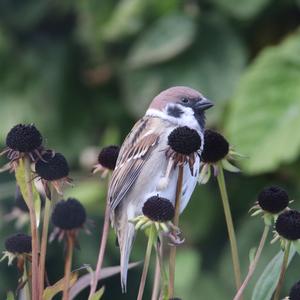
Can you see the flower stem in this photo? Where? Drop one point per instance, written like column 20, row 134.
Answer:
column 44, row 240
column 172, row 259
column 253, row 265
column 230, row 227
column 164, row 277
column 151, row 238
column 68, row 263
column 156, row 283
column 96, row 275
column 283, row 270
column 104, row 237
column 34, row 232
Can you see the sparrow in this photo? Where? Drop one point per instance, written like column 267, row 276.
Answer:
column 142, row 163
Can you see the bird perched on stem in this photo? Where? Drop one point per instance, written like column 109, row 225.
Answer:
column 142, row 162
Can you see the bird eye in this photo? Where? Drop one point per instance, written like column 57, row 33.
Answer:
column 185, row 100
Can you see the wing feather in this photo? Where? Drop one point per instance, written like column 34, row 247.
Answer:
column 134, row 153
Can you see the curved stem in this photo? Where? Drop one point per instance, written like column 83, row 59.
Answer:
column 146, row 262
column 176, row 222
column 283, row 270
column 230, row 227
column 68, row 264
column 104, row 237
column 253, row 265
column 34, row 232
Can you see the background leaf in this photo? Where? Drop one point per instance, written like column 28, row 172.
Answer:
column 167, row 37
column 266, row 107
column 266, row 283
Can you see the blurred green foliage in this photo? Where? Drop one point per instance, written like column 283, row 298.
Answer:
column 84, row 71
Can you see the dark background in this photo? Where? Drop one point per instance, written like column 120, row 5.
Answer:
column 84, row 71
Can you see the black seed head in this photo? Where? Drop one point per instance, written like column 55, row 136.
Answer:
column 158, row 209
column 295, row 291
column 215, row 147
column 69, row 214
column 19, row 201
column 273, row 199
column 184, row 140
column 288, row 225
column 54, row 166
column 18, row 243
column 24, row 138
column 108, row 156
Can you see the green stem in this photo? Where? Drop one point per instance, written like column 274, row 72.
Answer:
column 68, row 264
column 25, row 277
column 253, row 265
column 283, row 270
column 164, row 276
column 156, row 283
column 230, row 227
column 34, row 232
column 151, row 238
column 172, row 259
column 44, row 240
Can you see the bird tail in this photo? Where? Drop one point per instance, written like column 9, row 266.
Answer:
column 126, row 238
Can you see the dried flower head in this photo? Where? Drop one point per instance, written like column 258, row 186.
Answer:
column 53, row 169
column 68, row 214
column 158, row 209
column 159, row 212
column 184, row 140
column 295, row 291
column 22, row 139
column 107, row 160
column 216, row 154
column 216, row 147
column 288, row 225
column 18, row 243
column 273, row 199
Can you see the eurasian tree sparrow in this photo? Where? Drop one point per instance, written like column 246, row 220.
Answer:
column 142, row 162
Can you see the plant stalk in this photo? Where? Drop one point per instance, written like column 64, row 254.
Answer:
column 230, row 227
column 68, row 264
column 156, row 283
column 253, row 265
column 283, row 270
column 146, row 261
column 34, row 232
column 172, row 259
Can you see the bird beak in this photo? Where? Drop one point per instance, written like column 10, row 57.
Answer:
column 204, row 104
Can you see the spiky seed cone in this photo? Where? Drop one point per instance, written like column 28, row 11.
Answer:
column 68, row 214
column 273, row 199
column 54, row 166
column 158, row 209
column 288, row 225
column 108, row 156
column 24, row 138
column 215, row 147
column 18, row 243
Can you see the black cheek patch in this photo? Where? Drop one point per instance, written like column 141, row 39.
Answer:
column 174, row 111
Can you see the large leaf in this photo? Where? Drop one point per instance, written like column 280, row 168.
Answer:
column 213, row 65
column 242, row 9
column 265, row 111
column 21, row 181
column 267, row 282
column 168, row 37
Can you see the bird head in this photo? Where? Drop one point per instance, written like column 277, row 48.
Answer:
column 181, row 105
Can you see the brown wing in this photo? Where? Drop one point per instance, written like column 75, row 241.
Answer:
column 134, row 153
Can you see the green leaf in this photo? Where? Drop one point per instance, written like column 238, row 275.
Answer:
column 54, row 289
column 266, row 107
column 126, row 19
column 21, row 181
column 98, row 294
column 266, row 283
column 10, row 296
column 165, row 39
column 242, row 9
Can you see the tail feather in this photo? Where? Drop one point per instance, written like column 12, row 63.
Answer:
column 126, row 239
